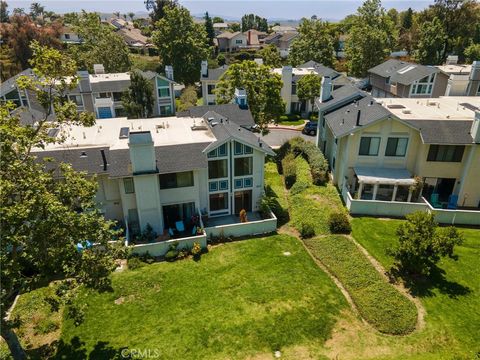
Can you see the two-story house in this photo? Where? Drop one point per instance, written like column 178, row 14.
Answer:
column 282, row 40
column 101, row 93
column 209, row 79
column 160, row 171
column 464, row 80
column 396, row 78
column 231, row 41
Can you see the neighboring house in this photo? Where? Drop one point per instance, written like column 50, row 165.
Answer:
column 219, row 27
column 160, row 171
column 209, row 79
column 133, row 37
column 464, row 80
column 282, row 40
column 396, row 78
column 375, row 148
column 255, row 39
column 231, row 41
column 101, row 93
column 283, row 28
column 69, row 36
column 119, row 23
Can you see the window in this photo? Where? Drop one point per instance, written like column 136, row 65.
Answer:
column 369, row 146
column 222, row 150
column 423, row 86
column 103, row 95
column 396, row 147
column 387, row 80
column 238, row 148
column 176, row 180
column 248, row 182
column 210, row 89
column 217, row 169
column 165, row 110
column 247, row 149
column 219, row 201
column 67, row 36
column 213, row 186
column 128, row 185
column 447, row 153
column 14, row 97
column 294, row 88
column 243, row 166
column 163, row 92
column 239, row 41
column 478, row 90
column 117, row 96
column 223, row 185
column 77, row 99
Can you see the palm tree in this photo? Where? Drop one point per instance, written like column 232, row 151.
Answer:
column 36, row 9
column 131, row 15
column 125, row 17
column 117, row 14
column 19, row 11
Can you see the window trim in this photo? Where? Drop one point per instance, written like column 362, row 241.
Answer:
column 132, row 190
column 176, row 180
column 435, row 150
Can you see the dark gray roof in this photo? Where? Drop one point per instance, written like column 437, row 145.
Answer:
column 344, row 120
column 232, row 112
column 340, row 97
column 10, row 84
column 184, row 157
column 215, row 74
column 322, row 69
column 453, row 132
column 391, row 67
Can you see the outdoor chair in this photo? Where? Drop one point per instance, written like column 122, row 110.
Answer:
column 180, row 226
column 434, row 201
column 452, row 202
column 194, row 230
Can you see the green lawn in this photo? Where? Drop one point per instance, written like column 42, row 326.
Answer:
column 275, row 189
column 451, row 296
column 292, row 122
column 145, row 62
column 241, row 299
column 383, row 306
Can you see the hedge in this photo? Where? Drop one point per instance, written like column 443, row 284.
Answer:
column 289, row 170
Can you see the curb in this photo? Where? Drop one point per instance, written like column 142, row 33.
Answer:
column 282, row 128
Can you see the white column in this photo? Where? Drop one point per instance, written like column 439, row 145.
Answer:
column 394, row 195
column 375, row 190
column 409, row 195
column 360, row 188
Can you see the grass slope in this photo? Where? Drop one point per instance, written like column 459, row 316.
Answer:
column 450, row 295
column 275, row 189
column 240, row 300
column 378, row 302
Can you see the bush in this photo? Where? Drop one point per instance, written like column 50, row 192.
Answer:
column 298, row 187
column 283, row 118
column 339, row 223
column 172, row 252
column 306, row 231
column 45, row 326
column 289, row 170
column 135, row 263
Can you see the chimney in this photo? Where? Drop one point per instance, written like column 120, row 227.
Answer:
column 358, row 117
column 142, row 152
column 240, row 98
column 286, row 92
column 475, row 129
column 204, row 68
column 452, row 60
column 98, row 69
column 249, row 37
column 326, row 89
column 169, row 72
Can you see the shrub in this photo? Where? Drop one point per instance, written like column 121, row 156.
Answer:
column 339, row 223
column 283, row 118
column 172, row 252
column 306, row 231
column 135, row 263
column 45, row 326
column 289, row 170
column 299, row 187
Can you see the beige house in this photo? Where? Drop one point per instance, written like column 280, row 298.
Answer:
column 231, row 41
column 378, row 149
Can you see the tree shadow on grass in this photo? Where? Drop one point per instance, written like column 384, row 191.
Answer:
column 282, row 214
column 75, row 350
column 424, row 287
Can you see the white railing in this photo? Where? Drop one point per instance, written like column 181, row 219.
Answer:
column 257, row 227
column 160, row 248
column 455, row 216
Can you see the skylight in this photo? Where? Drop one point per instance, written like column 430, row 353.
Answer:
column 124, row 132
column 406, row 68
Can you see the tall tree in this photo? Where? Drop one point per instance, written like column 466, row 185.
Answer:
column 18, row 11
column 158, row 8
column 431, row 43
column 308, row 88
column 370, row 38
column 209, row 29
column 252, row 21
column 314, row 42
column 181, row 43
column 271, row 56
column 188, row 98
column 472, row 53
column 36, row 10
column 100, row 45
column 43, row 219
column 263, row 90
column 3, row 11
column 407, row 19
column 138, row 100
column 217, row 19
column 131, row 15
column 117, row 14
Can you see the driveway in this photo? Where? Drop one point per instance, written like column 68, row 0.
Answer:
column 276, row 137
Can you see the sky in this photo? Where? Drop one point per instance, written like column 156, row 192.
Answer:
column 230, row 9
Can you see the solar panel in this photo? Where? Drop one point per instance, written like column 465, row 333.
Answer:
column 469, row 106
column 124, row 132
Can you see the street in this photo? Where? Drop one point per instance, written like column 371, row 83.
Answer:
column 276, row 137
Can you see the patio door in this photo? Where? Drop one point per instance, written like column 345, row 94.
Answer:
column 243, row 200
column 178, row 212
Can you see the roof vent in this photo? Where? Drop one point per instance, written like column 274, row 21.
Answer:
column 83, row 154
column 406, row 111
column 211, row 119
column 213, row 123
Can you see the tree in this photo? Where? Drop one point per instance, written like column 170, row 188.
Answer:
column 406, row 19
column 263, row 90
column 252, row 21
column 234, row 27
column 472, row 53
column 271, row 56
column 131, row 15
column 138, row 100
column 188, row 98
column 43, row 219
column 117, row 14
column 217, row 19
column 209, row 29
column 100, row 45
column 3, row 12
column 314, row 42
column 18, row 11
column 431, row 42
column 308, row 88
column 125, row 17
column 422, row 244
column 9, row 67
column 370, row 39
column 36, row 9
column 158, row 8
column 181, row 43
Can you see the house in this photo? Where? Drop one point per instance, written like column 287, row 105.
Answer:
column 291, row 76
column 283, row 28
column 231, row 41
column 282, row 40
column 161, row 171
column 209, row 79
column 133, row 37
column 381, row 149
column 464, row 80
column 118, row 23
column 396, row 78
column 219, row 27
column 101, row 93
column 69, row 36
column 255, row 39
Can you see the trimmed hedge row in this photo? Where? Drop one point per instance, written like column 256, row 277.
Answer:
column 289, row 170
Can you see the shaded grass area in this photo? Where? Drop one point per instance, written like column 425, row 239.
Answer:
column 383, row 306
column 145, row 62
column 292, row 122
column 275, row 189
column 240, row 300
column 312, row 204
column 451, row 294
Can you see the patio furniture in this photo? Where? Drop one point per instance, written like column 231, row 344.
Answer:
column 435, row 202
column 171, row 232
column 194, row 230
column 452, row 202
column 180, row 226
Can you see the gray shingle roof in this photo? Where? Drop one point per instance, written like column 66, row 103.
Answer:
column 344, row 120
column 339, row 97
column 10, row 84
column 391, row 67
column 215, row 74
column 321, row 69
column 453, row 132
column 232, row 112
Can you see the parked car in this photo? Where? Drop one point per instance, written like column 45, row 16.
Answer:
column 310, row 128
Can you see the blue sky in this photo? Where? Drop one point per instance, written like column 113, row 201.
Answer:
column 282, row 9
